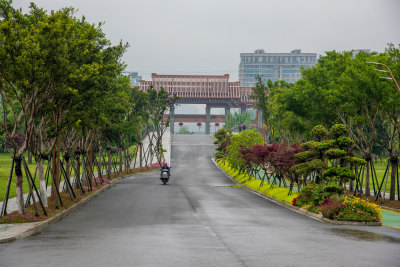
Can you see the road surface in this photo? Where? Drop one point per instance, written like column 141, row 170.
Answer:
column 199, row 219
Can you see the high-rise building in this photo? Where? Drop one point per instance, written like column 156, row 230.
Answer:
column 273, row 66
column 134, row 77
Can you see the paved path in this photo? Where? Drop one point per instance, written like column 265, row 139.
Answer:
column 12, row 203
column 198, row 219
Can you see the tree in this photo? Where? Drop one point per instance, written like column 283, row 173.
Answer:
column 263, row 93
column 246, row 139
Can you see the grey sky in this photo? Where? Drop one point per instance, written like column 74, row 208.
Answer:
column 207, row 36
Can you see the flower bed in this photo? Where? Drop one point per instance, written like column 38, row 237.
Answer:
column 335, row 206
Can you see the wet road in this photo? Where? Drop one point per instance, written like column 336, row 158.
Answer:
column 198, row 219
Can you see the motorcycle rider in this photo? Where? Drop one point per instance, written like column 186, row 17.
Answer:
column 166, row 167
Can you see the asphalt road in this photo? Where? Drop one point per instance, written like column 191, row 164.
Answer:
column 198, row 219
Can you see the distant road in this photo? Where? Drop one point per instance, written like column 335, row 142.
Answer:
column 199, row 219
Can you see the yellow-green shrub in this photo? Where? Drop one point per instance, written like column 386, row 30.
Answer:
column 279, row 193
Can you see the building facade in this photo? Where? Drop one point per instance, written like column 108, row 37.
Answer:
column 273, row 66
column 200, row 88
column 134, row 77
column 216, row 91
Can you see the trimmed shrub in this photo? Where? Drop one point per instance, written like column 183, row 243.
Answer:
column 319, row 132
column 306, row 155
column 331, row 208
column 279, row 193
column 338, row 130
column 344, row 141
column 335, row 153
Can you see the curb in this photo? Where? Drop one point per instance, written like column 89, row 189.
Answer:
column 317, row 217
column 39, row 226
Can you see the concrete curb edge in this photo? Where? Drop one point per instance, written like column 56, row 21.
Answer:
column 307, row 213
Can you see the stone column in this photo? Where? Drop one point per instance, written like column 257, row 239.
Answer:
column 208, row 112
column 172, row 119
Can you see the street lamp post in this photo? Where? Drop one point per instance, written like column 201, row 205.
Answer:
column 386, row 71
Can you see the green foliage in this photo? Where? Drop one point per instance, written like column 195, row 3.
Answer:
column 335, row 153
column 261, row 93
column 222, row 135
column 333, row 188
column 245, row 139
column 318, row 132
column 316, row 194
column 279, row 193
column 309, row 145
column 323, row 145
column 306, row 155
column 338, row 130
column 359, row 210
column 307, row 168
column 344, row 141
column 354, row 161
column 184, row 130
column 235, row 119
column 343, row 173
column 306, row 195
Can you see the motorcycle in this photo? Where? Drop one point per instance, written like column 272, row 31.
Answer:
column 164, row 176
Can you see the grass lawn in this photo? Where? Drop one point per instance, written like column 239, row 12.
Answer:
column 5, row 165
column 380, row 168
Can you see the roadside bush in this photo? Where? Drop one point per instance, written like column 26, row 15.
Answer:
column 359, row 210
column 315, row 195
column 279, row 193
column 306, row 195
column 331, row 208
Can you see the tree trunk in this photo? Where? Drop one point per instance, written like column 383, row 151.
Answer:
column 84, row 174
column 367, row 180
column 90, row 162
column 67, row 166
column 140, row 155
column 395, row 163
column 29, row 156
column 128, row 160
column 109, row 156
column 99, row 162
column 120, row 159
column 20, row 194
column 58, row 162
column 351, row 185
column 42, row 181
column 78, row 170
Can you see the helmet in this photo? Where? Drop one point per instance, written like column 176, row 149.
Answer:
column 165, row 164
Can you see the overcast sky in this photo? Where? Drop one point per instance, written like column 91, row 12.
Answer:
column 207, row 36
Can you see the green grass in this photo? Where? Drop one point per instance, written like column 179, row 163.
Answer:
column 5, row 165
column 279, row 193
column 380, row 168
